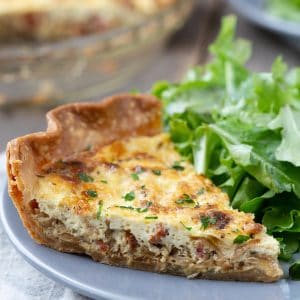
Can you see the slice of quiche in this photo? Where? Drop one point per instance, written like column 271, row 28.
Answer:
column 104, row 181
column 56, row 19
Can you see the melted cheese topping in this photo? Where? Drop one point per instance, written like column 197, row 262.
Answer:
column 139, row 184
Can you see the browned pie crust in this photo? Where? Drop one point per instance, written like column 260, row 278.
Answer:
column 71, row 128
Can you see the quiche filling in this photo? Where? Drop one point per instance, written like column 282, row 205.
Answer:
column 137, row 199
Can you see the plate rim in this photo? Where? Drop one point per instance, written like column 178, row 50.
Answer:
column 265, row 19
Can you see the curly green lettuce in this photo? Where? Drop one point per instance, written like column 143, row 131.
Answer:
column 242, row 129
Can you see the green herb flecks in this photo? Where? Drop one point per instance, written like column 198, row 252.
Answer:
column 129, row 196
column 104, row 181
column 85, row 178
column 135, row 176
column 206, row 221
column 144, row 209
column 92, row 193
column 185, row 198
column 156, row 172
column 151, row 217
column 240, row 239
column 186, row 227
column 125, row 207
column 177, row 166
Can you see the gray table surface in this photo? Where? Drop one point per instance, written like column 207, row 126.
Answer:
column 187, row 48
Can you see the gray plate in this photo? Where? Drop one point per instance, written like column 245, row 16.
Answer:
column 100, row 281
column 254, row 11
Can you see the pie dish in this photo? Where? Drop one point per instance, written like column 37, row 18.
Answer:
column 56, row 19
column 104, row 181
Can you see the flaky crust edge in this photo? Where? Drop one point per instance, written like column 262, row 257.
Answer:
column 71, row 129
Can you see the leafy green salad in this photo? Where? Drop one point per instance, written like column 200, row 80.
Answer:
column 242, row 130
column 285, row 9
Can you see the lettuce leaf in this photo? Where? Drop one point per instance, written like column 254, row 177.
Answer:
column 253, row 149
column 289, row 120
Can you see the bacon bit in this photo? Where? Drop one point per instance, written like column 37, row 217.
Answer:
column 110, row 166
column 200, row 251
column 222, row 219
column 104, row 247
column 131, row 240
column 34, row 204
column 160, row 233
column 253, row 228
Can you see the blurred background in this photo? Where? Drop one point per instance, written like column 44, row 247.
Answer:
column 43, row 63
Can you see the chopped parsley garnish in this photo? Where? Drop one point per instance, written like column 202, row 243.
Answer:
column 141, row 209
column 137, row 209
column 201, row 191
column 92, row 193
column 149, row 203
column 84, row 177
column 104, row 181
column 135, row 176
column 100, row 205
column 186, row 227
column 177, row 166
column 185, row 198
column 151, row 217
column 125, row 207
column 207, row 221
column 240, row 239
column 143, row 187
column 156, row 172
column 129, row 196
